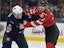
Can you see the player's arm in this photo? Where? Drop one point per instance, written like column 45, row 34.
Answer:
column 36, row 20
column 9, row 25
column 27, row 20
column 34, row 23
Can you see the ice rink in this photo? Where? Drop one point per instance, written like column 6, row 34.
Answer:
column 35, row 44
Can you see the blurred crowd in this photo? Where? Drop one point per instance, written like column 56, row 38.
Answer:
column 6, row 8
column 57, row 10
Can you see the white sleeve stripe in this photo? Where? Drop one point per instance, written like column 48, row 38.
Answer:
column 39, row 22
column 33, row 24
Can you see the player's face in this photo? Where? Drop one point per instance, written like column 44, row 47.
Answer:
column 41, row 8
column 19, row 16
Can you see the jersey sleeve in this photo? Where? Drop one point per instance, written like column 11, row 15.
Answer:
column 35, row 17
column 9, row 22
column 9, row 26
column 34, row 23
column 26, row 17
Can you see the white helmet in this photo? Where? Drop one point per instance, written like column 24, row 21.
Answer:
column 17, row 9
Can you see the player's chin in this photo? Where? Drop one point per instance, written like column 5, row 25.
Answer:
column 19, row 18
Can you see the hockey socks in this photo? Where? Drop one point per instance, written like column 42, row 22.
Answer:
column 50, row 45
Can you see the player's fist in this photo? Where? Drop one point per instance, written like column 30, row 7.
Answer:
column 25, row 22
column 42, row 15
column 21, row 26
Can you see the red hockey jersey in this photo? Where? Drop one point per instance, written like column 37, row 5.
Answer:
column 33, row 11
column 47, row 21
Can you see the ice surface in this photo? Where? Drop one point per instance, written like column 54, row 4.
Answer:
column 35, row 44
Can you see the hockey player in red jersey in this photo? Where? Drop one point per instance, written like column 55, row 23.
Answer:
column 51, row 30
column 48, row 20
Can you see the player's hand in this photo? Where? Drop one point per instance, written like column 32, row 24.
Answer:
column 21, row 26
column 25, row 22
column 42, row 15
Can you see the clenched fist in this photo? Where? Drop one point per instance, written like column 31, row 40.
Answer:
column 25, row 22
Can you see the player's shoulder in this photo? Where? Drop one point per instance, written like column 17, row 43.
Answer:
column 9, row 15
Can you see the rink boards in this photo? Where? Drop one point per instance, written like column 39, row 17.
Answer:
column 35, row 33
